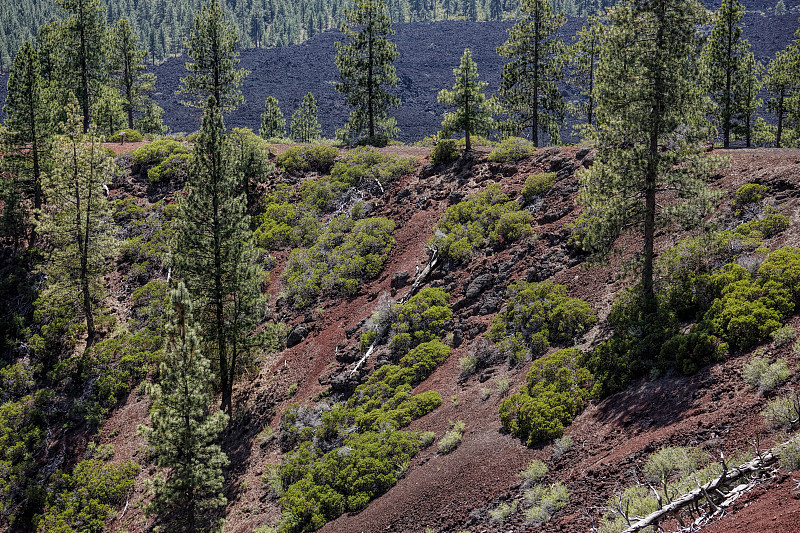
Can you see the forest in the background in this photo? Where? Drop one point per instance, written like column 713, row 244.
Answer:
column 163, row 25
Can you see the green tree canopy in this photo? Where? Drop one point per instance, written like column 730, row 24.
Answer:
column 529, row 90
column 212, row 46
column 187, row 492
column 366, row 70
column 650, row 119
column 272, row 122
column 474, row 112
column 305, row 126
column 128, row 69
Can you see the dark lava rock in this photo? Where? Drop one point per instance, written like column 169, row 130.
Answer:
column 477, row 286
column 297, row 335
column 400, row 279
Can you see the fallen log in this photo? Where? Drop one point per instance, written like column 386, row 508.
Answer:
column 756, row 465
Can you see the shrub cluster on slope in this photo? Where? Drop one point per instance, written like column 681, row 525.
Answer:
column 485, row 218
column 346, row 455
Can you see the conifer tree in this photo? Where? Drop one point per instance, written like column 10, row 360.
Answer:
column 187, row 493
column 272, row 122
column 76, row 221
column 212, row 72
column 782, row 82
column 474, row 114
column 366, row 70
column 81, row 39
column 214, row 252
column 747, row 85
column 129, row 72
column 725, row 61
column 529, row 90
column 29, row 136
column 583, row 55
column 305, row 127
column 650, row 120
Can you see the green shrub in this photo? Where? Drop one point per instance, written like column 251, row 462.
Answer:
column 172, row 169
column 556, row 390
column 421, row 319
column 544, row 501
column 316, row 158
column 446, row 151
column 365, row 165
column 768, row 226
column 783, row 267
column 783, row 412
column 789, row 454
column 784, row 335
column 561, row 446
column 131, row 136
column 537, row 314
column 535, row 471
column 84, row 499
column 750, row 193
column 285, row 224
column 512, row 149
column 538, row 184
column 502, row 511
column 452, row 438
column 763, row 376
column 345, row 254
column 485, row 218
column 693, row 350
column 157, row 151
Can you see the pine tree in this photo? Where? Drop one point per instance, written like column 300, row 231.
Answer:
column 305, row 127
column 780, row 8
column 28, row 140
column 81, row 42
column 272, row 122
column 783, row 85
column 212, row 47
column 214, row 252
column 724, row 59
column 76, row 221
column 583, row 55
column 366, row 70
column 529, row 90
column 109, row 111
column 187, row 493
column 129, row 72
column 747, row 85
column 650, row 120
column 474, row 114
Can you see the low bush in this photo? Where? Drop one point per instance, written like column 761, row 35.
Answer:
column 452, row 438
column 173, row 169
column 763, row 376
column 750, row 193
column 346, row 253
column 784, row 335
column 421, row 319
column 502, row 511
column 286, row 224
column 536, row 315
column 512, row 149
column 544, row 501
column 561, row 446
column 693, row 350
column 556, row 390
column 783, row 412
column 789, row 454
column 129, row 135
column 366, row 166
column 537, row 185
column 446, row 151
column 768, row 226
column 157, row 151
column 485, row 218
column 535, row 471
column 783, row 267
column 316, row 158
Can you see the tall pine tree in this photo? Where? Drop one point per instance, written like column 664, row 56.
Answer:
column 212, row 72
column 128, row 70
column 28, row 140
column 650, row 122
column 305, row 127
column 75, row 223
column 725, row 61
column 583, row 55
column 214, row 252
column 187, row 493
column 529, row 90
column 366, row 70
column 272, row 122
column 474, row 112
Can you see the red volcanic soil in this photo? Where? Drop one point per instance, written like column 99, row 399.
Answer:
column 713, row 410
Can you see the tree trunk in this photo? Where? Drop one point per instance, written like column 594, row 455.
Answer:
column 780, row 113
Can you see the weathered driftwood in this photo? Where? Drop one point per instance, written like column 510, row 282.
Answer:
column 433, row 262
column 756, row 465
